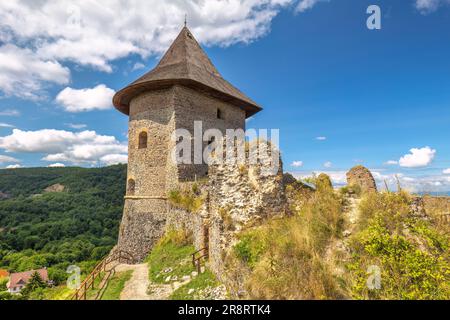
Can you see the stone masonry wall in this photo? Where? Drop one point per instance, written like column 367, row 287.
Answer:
column 190, row 106
column 362, row 177
column 143, row 224
column 151, row 170
column 193, row 223
column 240, row 196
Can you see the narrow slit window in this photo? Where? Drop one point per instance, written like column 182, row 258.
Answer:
column 143, row 140
column 219, row 114
column 131, row 187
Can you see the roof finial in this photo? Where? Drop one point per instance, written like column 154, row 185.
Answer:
column 185, row 20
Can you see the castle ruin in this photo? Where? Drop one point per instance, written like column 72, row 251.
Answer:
column 185, row 87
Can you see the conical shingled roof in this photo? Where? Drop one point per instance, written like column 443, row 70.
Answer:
column 185, row 63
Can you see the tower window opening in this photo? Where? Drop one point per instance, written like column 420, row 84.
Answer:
column 143, row 140
column 131, row 187
column 219, row 114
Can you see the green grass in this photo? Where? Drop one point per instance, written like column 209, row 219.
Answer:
column 170, row 256
column 116, row 285
column 201, row 282
column 58, row 293
column 172, row 252
column 92, row 293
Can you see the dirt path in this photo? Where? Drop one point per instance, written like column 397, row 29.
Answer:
column 338, row 252
column 136, row 287
column 139, row 286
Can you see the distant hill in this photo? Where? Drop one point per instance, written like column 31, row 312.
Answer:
column 53, row 217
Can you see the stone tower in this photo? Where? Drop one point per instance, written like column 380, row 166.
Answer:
column 183, row 88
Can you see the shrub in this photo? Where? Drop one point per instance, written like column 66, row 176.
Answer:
column 412, row 255
column 3, row 282
column 187, row 200
column 287, row 256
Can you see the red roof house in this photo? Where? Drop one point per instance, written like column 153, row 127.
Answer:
column 18, row 281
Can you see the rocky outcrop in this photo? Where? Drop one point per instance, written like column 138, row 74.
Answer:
column 323, row 182
column 55, row 188
column 417, row 207
column 297, row 192
column 361, row 177
column 289, row 179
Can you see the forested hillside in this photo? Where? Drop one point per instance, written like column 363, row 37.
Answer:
column 55, row 228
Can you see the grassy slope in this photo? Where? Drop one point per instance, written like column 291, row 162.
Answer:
column 287, row 258
column 203, row 281
column 173, row 253
column 116, row 284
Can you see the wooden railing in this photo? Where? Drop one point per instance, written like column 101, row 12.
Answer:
column 197, row 258
column 102, row 271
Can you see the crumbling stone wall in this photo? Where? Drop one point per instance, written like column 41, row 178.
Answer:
column 362, row 177
column 417, row 206
column 193, row 223
column 241, row 196
column 297, row 192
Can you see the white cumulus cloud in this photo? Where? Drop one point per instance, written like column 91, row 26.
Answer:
column 391, row 162
column 297, row 164
column 338, row 178
column 138, row 66
column 14, row 166
column 24, row 74
column 6, row 159
column 76, row 126
column 418, row 158
column 10, row 113
column 97, row 98
column 446, row 171
column 321, row 138
column 328, row 164
column 427, row 6
column 112, row 159
column 57, row 165
column 6, row 125
column 64, row 146
column 305, row 5
column 42, row 35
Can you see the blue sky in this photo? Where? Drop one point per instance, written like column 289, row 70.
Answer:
column 371, row 96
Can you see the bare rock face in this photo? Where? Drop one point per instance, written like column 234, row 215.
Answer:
column 362, row 177
column 289, row 179
column 297, row 194
column 240, row 197
column 323, row 182
column 417, row 206
column 55, row 188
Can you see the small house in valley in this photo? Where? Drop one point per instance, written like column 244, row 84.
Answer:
column 18, row 281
